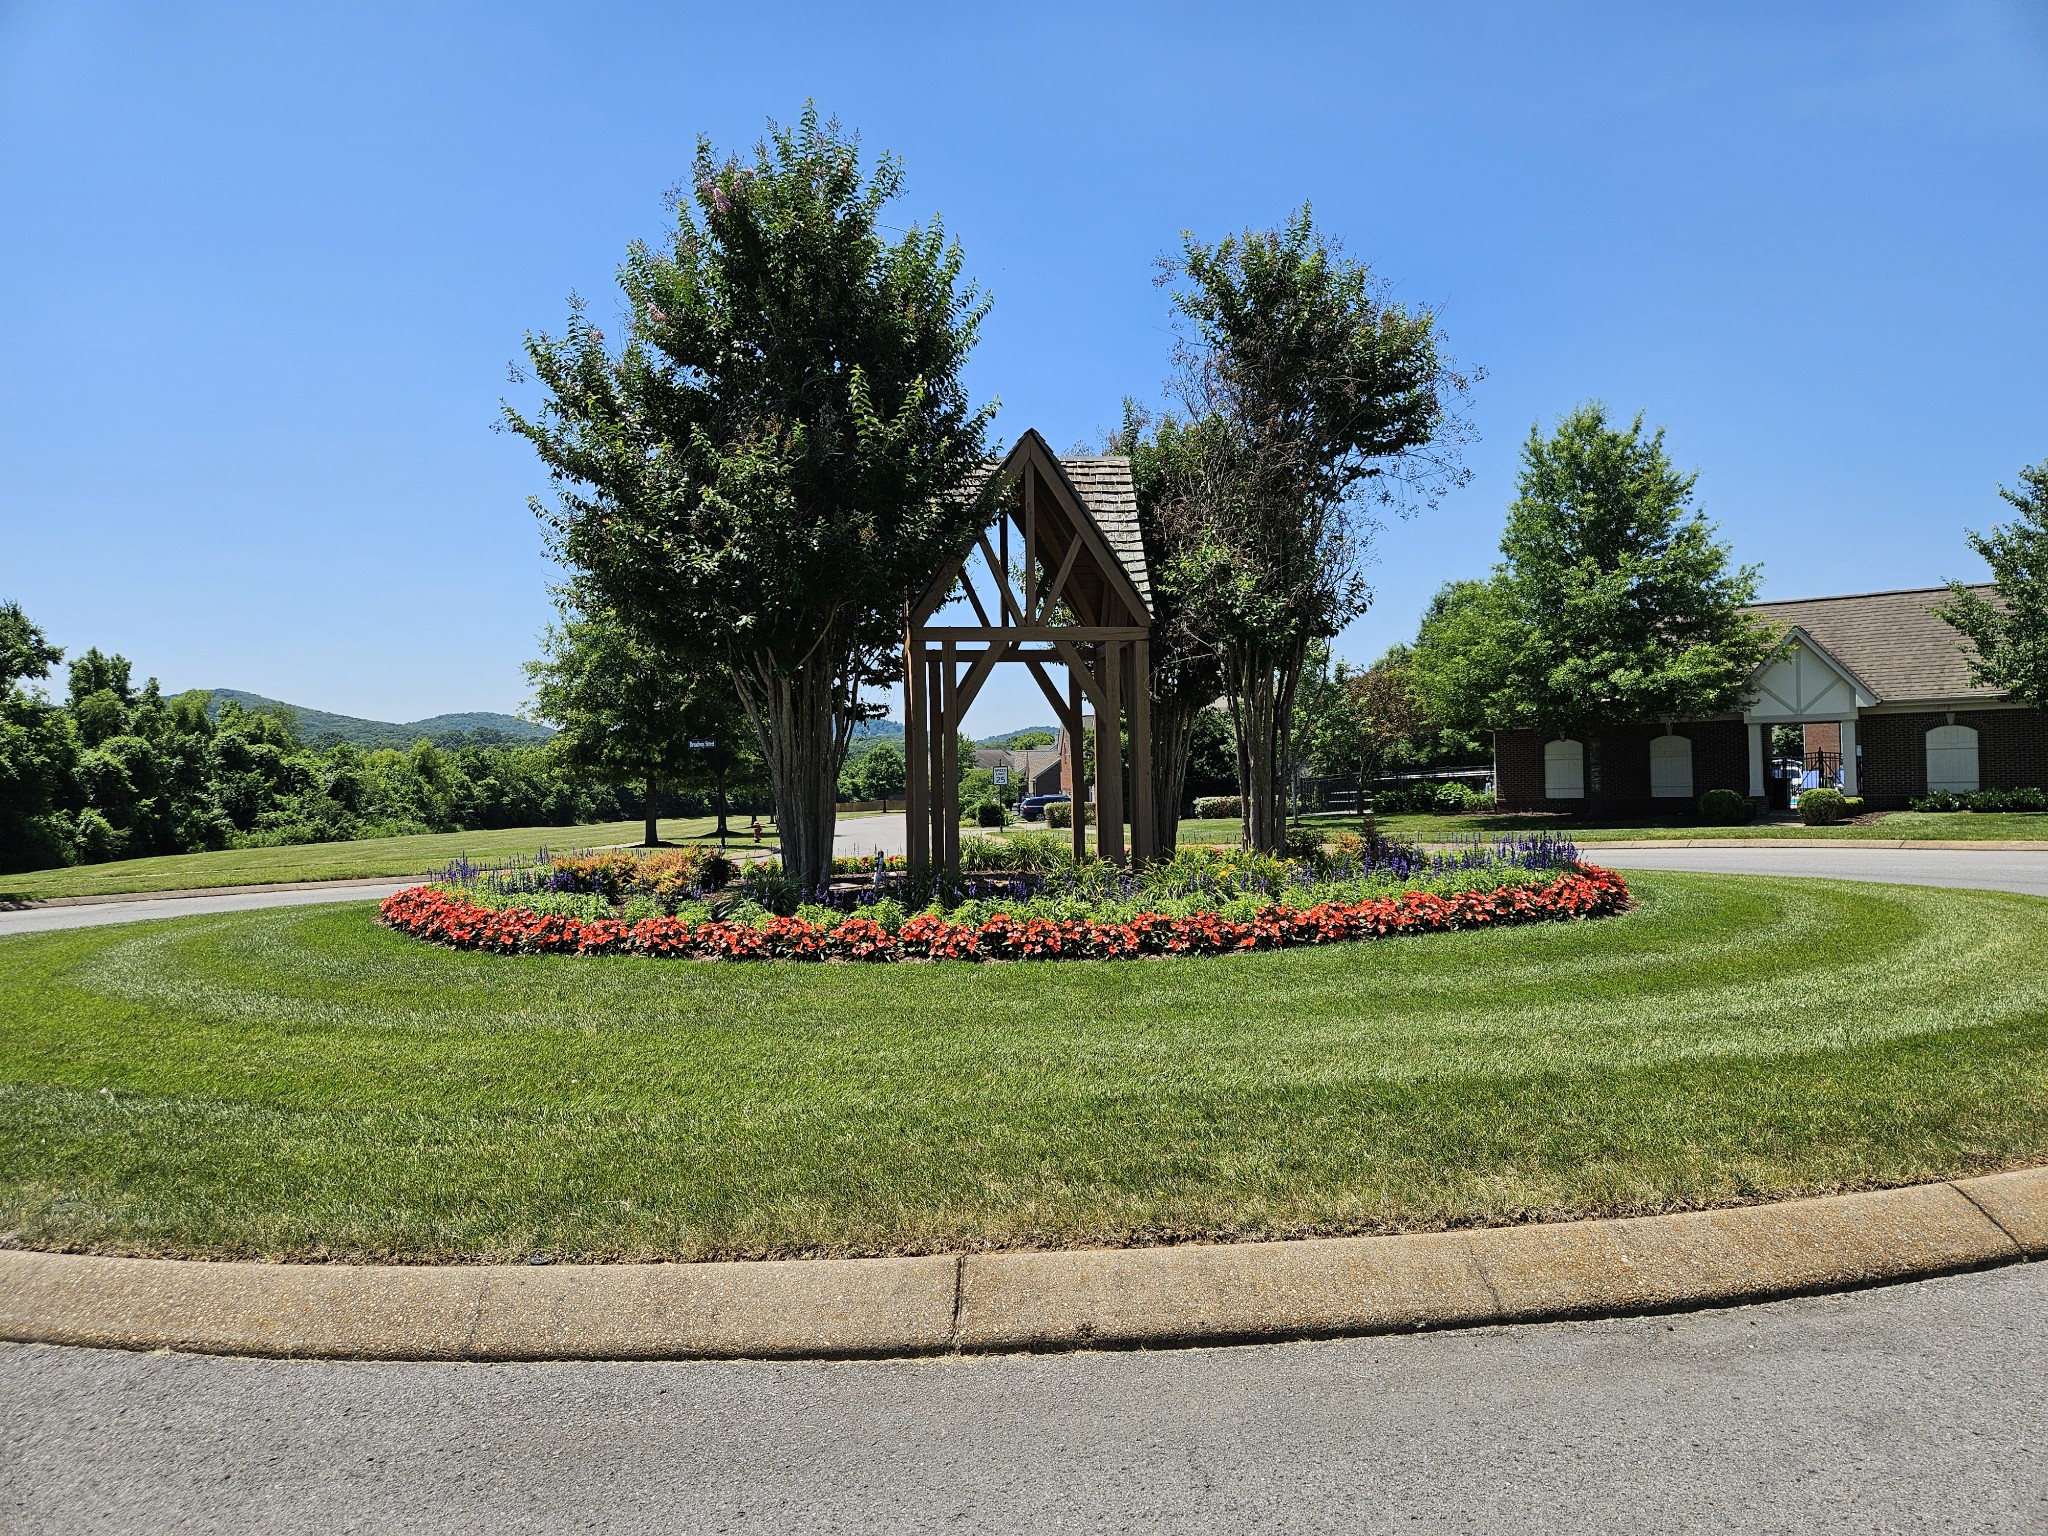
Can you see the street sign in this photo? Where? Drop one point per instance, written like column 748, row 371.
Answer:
column 1002, row 777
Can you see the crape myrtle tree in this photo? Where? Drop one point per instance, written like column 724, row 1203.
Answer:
column 624, row 709
column 1333, row 400
column 780, row 451
column 1168, row 473
column 2008, row 640
column 1613, row 603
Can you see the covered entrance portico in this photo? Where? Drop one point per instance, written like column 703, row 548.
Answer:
column 1804, row 685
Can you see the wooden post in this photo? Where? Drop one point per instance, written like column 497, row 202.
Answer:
column 934, row 795
column 1144, row 824
column 1109, row 754
column 916, row 763
column 949, row 749
column 1079, row 802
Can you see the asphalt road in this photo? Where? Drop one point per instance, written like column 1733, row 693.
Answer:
column 1915, row 1408
column 1991, row 868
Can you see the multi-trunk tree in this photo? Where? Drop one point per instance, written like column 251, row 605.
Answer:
column 2008, row 639
column 1328, row 399
column 1613, row 603
column 778, row 454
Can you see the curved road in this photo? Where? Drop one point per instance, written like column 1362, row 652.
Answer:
column 1988, row 869
column 1913, row 1408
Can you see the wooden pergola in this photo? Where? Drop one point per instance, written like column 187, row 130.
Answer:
column 1057, row 579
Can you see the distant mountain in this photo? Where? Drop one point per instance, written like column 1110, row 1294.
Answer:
column 878, row 730
column 318, row 728
column 1009, row 738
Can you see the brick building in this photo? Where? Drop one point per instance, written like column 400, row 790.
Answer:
column 1888, row 677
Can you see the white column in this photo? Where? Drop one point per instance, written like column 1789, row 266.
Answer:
column 1756, row 761
column 1849, row 776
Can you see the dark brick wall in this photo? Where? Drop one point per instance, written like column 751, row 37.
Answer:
column 1720, row 760
column 2012, row 752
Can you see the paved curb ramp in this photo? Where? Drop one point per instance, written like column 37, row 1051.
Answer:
column 1000, row 1302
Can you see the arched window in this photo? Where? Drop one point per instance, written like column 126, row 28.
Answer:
column 1671, row 768
column 1952, row 759
column 1564, row 770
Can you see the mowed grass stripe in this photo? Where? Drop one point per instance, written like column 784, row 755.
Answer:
column 304, row 1084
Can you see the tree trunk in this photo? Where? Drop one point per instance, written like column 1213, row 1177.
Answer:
column 1261, row 693
column 1254, row 711
column 1173, row 738
column 804, row 721
column 722, row 833
column 653, row 811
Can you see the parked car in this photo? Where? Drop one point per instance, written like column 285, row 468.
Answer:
column 1032, row 807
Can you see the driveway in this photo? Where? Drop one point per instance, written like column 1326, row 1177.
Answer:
column 1899, row 1410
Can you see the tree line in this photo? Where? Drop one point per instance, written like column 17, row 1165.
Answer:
column 109, row 770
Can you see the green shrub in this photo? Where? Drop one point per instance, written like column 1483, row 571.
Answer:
column 1304, row 842
column 990, row 813
column 1218, row 807
column 1822, row 807
column 1942, row 801
column 1061, row 814
column 1854, row 803
column 1725, row 808
column 1455, row 799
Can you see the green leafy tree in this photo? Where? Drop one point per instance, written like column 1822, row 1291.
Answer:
column 1170, row 466
column 1330, row 399
column 38, row 751
column 885, row 774
column 2008, row 639
column 780, row 454
column 1614, row 602
column 625, row 708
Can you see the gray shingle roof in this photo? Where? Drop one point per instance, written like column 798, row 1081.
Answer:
column 1104, row 485
column 1890, row 640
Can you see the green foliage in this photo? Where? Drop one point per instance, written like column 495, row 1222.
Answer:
column 989, row 813
column 1217, row 807
column 119, row 773
column 777, row 456
column 38, row 751
column 628, row 710
column 874, row 772
column 1314, row 395
column 1822, row 807
column 2024, row 800
column 2008, row 639
column 1613, row 603
column 1024, row 740
column 1726, row 808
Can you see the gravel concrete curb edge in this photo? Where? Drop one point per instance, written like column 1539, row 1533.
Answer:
column 1146, row 1297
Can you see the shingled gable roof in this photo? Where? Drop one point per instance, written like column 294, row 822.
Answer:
column 1890, row 641
column 1102, row 486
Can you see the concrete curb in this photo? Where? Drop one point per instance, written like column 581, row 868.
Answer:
column 1138, row 1297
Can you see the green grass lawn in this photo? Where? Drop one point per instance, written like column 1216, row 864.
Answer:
column 397, row 858
column 301, row 1083
column 1967, row 826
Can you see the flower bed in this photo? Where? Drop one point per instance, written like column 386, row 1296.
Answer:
column 443, row 916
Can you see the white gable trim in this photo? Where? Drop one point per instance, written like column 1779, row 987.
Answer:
column 1803, row 682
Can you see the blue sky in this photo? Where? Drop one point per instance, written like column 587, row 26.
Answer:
column 263, row 270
